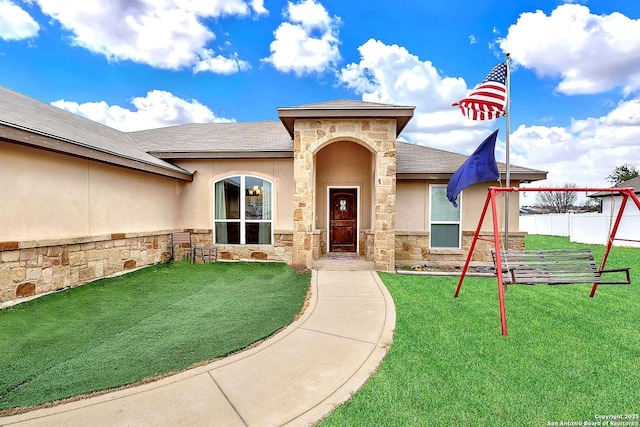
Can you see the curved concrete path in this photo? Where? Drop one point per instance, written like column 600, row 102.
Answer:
column 294, row 378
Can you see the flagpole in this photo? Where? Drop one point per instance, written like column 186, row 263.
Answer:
column 508, row 130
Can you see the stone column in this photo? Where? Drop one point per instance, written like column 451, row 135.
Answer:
column 385, row 207
column 302, row 203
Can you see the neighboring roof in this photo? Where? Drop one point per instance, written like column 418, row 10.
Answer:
column 633, row 183
column 217, row 140
column 26, row 121
column 419, row 162
column 630, row 183
column 346, row 109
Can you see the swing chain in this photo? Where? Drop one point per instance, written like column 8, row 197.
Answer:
column 611, row 209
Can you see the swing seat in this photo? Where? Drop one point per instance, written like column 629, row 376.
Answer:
column 555, row 267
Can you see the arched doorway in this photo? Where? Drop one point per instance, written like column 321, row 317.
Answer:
column 343, row 188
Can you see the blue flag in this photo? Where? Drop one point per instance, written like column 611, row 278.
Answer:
column 479, row 167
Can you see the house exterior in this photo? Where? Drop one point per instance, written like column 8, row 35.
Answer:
column 84, row 201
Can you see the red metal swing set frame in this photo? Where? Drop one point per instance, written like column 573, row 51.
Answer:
column 626, row 193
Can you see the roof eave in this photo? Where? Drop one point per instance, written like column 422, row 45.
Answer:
column 601, row 194
column 61, row 146
column 186, row 155
column 401, row 114
column 524, row 177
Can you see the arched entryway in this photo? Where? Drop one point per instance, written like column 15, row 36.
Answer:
column 343, row 188
column 315, row 127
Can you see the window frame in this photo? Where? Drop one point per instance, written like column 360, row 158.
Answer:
column 243, row 220
column 432, row 222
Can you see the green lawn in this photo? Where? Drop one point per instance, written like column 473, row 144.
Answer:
column 568, row 357
column 144, row 324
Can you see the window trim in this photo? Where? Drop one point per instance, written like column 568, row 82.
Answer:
column 432, row 222
column 242, row 220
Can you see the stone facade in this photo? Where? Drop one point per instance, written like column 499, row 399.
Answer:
column 413, row 248
column 281, row 250
column 33, row 268
column 30, row 268
column 378, row 136
column 37, row 267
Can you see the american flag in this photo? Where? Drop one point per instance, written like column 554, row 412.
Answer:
column 488, row 100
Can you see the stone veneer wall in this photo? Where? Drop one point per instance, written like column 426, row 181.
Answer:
column 31, row 268
column 412, row 247
column 281, row 250
column 379, row 137
column 35, row 267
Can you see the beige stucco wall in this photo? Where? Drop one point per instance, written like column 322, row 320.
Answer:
column 197, row 200
column 473, row 200
column 47, row 195
column 412, row 220
column 413, row 206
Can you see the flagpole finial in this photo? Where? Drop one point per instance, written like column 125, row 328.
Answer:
column 508, row 54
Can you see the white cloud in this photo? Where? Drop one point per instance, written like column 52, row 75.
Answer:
column 168, row 34
column 585, row 152
column 258, row 7
column 15, row 22
column 157, row 109
column 392, row 75
column 219, row 64
column 307, row 42
column 590, row 53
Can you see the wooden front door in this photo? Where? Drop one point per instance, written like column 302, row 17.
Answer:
column 343, row 219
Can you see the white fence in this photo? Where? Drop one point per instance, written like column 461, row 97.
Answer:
column 585, row 228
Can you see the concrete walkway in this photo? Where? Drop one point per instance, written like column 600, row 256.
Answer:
column 294, row 378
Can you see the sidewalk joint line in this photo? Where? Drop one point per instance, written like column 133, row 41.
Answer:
column 227, row 399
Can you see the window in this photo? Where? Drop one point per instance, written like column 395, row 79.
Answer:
column 445, row 229
column 243, row 211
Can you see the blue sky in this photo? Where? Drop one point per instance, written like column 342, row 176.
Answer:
column 135, row 64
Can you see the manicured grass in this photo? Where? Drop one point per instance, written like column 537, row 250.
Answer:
column 567, row 358
column 144, row 324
